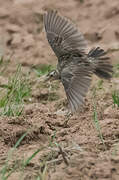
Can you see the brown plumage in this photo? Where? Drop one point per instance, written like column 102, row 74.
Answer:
column 75, row 67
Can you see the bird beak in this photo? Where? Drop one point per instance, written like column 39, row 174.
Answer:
column 44, row 78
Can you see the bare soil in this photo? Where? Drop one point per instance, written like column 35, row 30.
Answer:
column 81, row 154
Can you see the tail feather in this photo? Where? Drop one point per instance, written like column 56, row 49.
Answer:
column 103, row 67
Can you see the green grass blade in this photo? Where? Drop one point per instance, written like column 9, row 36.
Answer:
column 3, row 172
column 97, row 125
column 19, row 141
column 31, row 157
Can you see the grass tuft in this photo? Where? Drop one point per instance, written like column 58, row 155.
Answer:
column 100, row 84
column 6, row 171
column 3, row 65
column 43, row 69
column 97, row 125
column 115, row 97
column 95, row 118
column 15, row 92
column 116, row 70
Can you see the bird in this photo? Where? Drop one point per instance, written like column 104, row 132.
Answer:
column 75, row 67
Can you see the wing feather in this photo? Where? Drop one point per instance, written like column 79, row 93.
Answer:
column 76, row 84
column 62, row 35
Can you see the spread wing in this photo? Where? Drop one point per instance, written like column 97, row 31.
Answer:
column 76, row 81
column 62, row 35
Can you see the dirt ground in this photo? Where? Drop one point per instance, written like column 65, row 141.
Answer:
column 70, row 148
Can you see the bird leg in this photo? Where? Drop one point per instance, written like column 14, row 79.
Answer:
column 68, row 115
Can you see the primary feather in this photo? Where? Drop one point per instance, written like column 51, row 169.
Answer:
column 62, row 35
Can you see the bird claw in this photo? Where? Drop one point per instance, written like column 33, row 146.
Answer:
column 63, row 112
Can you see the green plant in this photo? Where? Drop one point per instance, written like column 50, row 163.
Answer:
column 38, row 178
column 3, row 64
column 15, row 93
column 97, row 125
column 116, row 70
column 43, row 69
column 115, row 97
column 6, row 171
column 115, row 149
column 96, row 120
column 52, row 139
column 81, row 1
column 27, row 161
column 100, row 84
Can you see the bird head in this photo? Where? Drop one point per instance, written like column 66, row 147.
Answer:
column 53, row 75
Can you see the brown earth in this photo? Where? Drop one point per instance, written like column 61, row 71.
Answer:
column 71, row 148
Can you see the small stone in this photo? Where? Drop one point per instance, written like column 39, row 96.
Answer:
column 16, row 39
column 12, row 28
column 108, row 110
column 4, row 13
column 28, row 41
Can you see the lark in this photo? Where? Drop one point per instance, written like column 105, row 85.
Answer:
column 75, row 67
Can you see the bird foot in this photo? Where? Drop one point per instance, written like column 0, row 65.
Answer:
column 66, row 114
column 63, row 112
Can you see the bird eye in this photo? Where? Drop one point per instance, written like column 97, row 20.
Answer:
column 51, row 74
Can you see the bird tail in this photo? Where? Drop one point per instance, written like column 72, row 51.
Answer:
column 103, row 67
